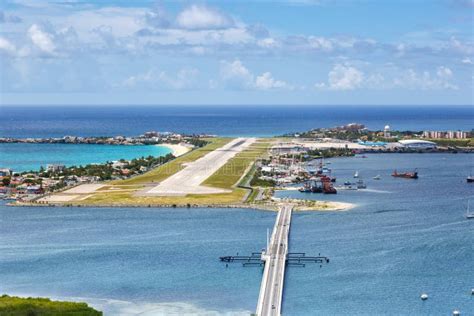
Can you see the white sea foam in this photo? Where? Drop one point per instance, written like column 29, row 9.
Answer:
column 375, row 191
column 127, row 308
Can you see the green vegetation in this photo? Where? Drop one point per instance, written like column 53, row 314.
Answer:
column 173, row 166
column 229, row 174
column 106, row 171
column 329, row 153
column 129, row 199
column 123, row 192
column 257, row 182
column 17, row 306
column 468, row 142
column 198, row 142
column 253, row 195
column 6, row 181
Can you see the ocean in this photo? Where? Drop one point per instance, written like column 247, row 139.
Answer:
column 54, row 121
column 405, row 237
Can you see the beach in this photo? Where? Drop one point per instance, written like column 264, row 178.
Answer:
column 177, row 149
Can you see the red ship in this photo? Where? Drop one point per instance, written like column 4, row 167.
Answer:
column 406, row 175
column 328, row 188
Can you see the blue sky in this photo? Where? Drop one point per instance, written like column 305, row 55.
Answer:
column 237, row 52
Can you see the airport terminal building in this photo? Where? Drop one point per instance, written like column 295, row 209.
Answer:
column 417, row 144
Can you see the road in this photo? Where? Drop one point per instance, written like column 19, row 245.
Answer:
column 271, row 289
column 189, row 179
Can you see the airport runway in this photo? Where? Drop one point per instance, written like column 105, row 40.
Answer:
column 189, row 179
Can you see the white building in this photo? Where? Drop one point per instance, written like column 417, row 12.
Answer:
column 5, row 172
column 417, row 144
column 461, row 135
column 55, row 168
column 386, row 131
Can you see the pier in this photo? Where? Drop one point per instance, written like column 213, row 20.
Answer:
column 275, row 256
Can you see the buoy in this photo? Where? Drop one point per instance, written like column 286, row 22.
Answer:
column 424, row 297
column 456, row 312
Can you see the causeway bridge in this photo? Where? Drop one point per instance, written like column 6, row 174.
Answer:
column 271, row 289
column 275, row 258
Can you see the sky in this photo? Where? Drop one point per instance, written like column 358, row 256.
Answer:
column 322, row 52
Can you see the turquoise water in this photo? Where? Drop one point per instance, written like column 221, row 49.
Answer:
column 405, row 237
column 25, row 157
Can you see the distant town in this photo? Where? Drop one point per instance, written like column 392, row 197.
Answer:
column 148, row 138
column 56, row 177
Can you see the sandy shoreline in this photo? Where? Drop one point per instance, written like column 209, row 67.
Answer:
column 177, row 149
column 317, row 205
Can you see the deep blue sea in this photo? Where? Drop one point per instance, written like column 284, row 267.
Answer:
column 405, row 237
column 55, row 121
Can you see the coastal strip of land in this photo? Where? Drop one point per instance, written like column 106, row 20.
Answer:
column 177, row 149
column 225, row 173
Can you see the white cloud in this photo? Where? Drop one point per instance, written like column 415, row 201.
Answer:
column 343, row 77
column 266, row 82
column 268, row 43
column 444, row 72
column 202, row 17
column 320, row 43
column 184, row 79
column 41, row 39
column 467, row 61
column 236, row 75
column 411, row 79
column 348, row 77
column 157, row 17
column 7, row 46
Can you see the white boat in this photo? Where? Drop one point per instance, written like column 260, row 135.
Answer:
column 356, row 174
column 347, row 187
column 424, row 296
column 377, row 177
column 469, row 215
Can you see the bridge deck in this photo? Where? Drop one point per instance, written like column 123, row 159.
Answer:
column 271, row 289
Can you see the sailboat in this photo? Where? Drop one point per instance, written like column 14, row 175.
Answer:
column 469, row 215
